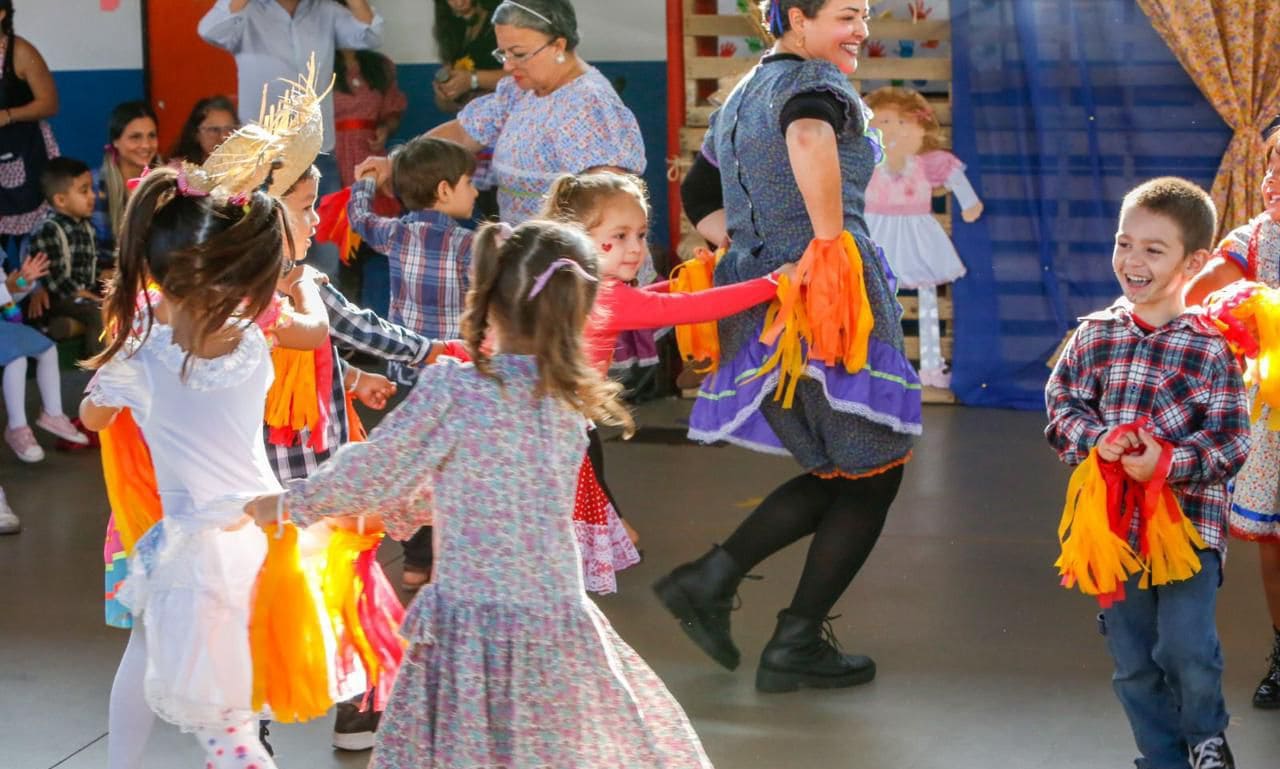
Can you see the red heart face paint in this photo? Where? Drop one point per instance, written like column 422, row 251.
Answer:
column 606, row 247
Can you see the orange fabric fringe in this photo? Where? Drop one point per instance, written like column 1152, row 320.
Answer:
column 699, row 343
column 287, row 643
column 130, row 479
column 824, row 315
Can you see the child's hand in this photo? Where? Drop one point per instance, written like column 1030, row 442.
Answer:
column 972, row 213
column 787, row 271
column 360, row 524
column 380, row 168
column 1141, row 466
column 263, row 510
column 38, row 303
column 1116, row 442
column 373, row 390
column 34, row 267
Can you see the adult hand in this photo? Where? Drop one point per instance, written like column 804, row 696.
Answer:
column 457, row 84
column 263, row 509
column 972, row 213
column 34, row 267
column 38, row 303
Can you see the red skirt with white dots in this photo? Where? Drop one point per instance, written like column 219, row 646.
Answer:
column 602, row 540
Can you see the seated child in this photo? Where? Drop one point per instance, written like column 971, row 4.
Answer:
column 429, row 251
column 17, row 343
column 1147, row 360
column 66, row 237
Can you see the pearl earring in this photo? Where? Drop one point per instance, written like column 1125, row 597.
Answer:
column 559, row 58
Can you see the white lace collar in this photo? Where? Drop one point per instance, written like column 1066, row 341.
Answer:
column 218, row 373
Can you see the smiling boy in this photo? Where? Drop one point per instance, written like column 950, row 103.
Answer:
column 1148, row 357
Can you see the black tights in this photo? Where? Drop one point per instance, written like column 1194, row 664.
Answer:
column 845, row 517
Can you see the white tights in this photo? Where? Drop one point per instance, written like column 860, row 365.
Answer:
column 129, row 722
column 47, row 379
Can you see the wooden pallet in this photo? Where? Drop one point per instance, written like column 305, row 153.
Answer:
column 705, row 72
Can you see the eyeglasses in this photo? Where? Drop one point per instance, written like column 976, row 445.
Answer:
column 517, row 58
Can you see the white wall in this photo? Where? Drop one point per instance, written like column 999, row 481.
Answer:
column 79, row 35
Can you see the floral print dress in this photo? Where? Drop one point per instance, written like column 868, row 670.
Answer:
column 509, row 663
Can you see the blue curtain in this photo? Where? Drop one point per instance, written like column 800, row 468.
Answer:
column 1059, row 109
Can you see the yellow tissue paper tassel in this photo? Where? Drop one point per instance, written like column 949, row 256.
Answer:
column 699, row 343
column 1263, row 306
column 342, row 588
column 286, row 640
column 1171, row 542
column 1093, row 557
column 824, row 314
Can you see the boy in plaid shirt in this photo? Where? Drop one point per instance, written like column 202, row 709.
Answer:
column 429, row 252
column 1147, row 356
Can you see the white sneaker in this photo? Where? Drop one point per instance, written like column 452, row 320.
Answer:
column 23, row 443
column 9, row 523
column 60, row 426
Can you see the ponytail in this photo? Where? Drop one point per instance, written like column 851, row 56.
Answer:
column 582, row 198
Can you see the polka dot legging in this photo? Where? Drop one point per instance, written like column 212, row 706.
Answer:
column 234, row 747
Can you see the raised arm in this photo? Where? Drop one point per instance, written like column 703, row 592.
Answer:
column 357, row 26
column 223, row 25
column 632, row 309
column 454, row 132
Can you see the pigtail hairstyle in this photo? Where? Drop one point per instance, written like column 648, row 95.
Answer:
column 581, row 198
column 550, row 319
column 216, row 259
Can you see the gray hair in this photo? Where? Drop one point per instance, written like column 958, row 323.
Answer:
column 555, row 18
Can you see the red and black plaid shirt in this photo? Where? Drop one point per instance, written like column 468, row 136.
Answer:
column 1182, row 377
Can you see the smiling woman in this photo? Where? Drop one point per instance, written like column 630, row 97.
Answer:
column 553, row 114
column 133, row 142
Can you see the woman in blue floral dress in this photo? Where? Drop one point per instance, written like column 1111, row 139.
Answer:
column 784, row 169
column 509, row 663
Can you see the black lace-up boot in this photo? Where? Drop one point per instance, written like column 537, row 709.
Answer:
column 700, row 594
column 1267, row 695
column 1213, row 753
column 805, row 652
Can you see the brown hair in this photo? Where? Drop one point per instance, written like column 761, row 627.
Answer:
column 551, row 322
column 215, row 259
column 582, row 198
column 1183, row 202
column 418, row 167
column 910, row 104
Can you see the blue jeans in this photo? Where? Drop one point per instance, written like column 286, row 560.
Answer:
column 1168, row 675
column 324, row 256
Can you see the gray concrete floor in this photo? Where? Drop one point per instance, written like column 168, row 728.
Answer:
column 983, row 661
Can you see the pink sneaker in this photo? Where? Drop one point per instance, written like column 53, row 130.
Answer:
column 23, row 443
column 935, row 377
column 63, row 428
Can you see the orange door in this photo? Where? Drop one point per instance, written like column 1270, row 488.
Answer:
column 181, row 68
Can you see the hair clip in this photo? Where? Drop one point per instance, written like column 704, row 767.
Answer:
column 530, row 11
column 562, row 263
column 504, row 233
column 775, row 18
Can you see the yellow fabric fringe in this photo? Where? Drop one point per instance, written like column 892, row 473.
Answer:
column 699, row 343
column 1092, row 557
column 1261, row 310
column 292, row 401
column 1171, row 542
column 341, row 588
column 287, row 643
column 824, row 314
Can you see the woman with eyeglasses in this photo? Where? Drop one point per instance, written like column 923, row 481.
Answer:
column 553, row 114
column 211, row 121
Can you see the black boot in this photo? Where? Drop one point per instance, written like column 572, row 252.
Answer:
column 1267, row 695
column 700, row 595
column 804, row 652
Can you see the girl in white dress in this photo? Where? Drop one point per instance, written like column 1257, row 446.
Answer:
column 194, row 369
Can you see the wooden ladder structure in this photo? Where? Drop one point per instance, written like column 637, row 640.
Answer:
column 695, row 70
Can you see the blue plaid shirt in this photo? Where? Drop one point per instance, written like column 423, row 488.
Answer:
column 430, row 256
column 1182, row 377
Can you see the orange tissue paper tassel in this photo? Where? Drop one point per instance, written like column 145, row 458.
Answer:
column 286, row 640
column 303, row 383
column 823, row 314
column 699, row 343
column 334, row 226
column 130, row 479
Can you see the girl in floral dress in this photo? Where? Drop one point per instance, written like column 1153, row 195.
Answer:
column 510, row 664
column 1252, row 252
